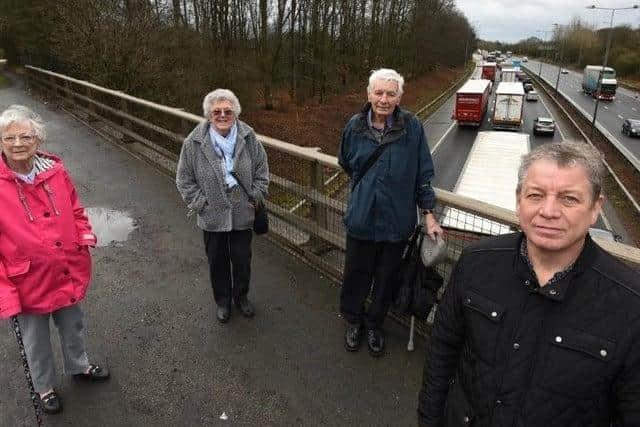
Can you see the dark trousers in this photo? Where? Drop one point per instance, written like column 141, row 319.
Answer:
column 229, row 255
column 369, row 267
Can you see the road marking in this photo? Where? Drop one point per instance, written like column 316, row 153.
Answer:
column 606, row 108
column 435, row 147
column 634, row 108
column 620, row 117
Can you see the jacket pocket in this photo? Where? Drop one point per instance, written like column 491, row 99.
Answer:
column 484, row 318
column 578, row 363
column 17, row 268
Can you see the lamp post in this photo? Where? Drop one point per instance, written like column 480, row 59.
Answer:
column 561, row 53
column 544, row 36
column 606, row 52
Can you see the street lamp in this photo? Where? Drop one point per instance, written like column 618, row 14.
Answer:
column 606, row 52
column 544, row 36
column 558, row 27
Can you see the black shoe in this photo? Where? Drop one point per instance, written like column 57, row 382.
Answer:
column 245, row 307
column 223, row 313
column 352, row 336
column 96, row 374
column 375, row 341
column 50, row 403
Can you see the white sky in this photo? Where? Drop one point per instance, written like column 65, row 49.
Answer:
column 513, row 20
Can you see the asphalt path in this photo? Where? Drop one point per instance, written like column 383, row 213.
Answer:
column 150, row 318
column 610, row 113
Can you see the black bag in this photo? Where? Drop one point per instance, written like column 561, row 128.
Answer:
column 261, row 218
column 418, row 285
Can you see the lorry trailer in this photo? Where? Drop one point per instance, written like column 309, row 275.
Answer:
column 471, row 102
column 508, row 106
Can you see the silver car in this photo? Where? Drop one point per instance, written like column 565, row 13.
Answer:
column 544, row 125
column 532, row 95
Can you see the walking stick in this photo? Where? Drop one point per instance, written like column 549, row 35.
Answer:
column 27, row 372
column 411, row 333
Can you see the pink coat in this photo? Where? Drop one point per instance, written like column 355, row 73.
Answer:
column 45, row 263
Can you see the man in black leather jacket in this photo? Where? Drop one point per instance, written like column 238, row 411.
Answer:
column 539, row 328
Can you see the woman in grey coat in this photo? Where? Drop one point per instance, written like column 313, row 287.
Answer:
column 218, row 153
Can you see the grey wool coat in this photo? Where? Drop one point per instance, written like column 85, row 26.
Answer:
column 200, row 179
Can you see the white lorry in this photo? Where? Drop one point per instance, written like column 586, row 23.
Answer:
column 508, row 106
column 489, row 175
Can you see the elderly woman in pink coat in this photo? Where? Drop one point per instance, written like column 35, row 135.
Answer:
column 45, row 265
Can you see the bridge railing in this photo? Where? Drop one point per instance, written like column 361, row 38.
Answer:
column 308, row 191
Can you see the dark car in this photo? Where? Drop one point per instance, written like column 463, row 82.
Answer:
column 528, row 87
column 631, row 127
column 544, row 125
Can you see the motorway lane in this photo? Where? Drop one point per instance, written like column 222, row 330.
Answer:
column 610, row 114
column 452, row 147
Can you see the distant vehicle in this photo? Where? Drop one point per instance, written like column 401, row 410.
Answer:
column 564, row 71
column 526, row 80
column 491, row 58
column 532, row 95
column 471, row 102
column 508, row 106
column 509, row 53
column 508, row 75
column 494, row 184
column 516, row 64
column 631, row 127
column 489, row 71
column 525, row 59
column 544, row 125
column 528, row 87
column 599, row 87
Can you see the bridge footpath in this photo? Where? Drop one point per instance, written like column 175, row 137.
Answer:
column 150, row 317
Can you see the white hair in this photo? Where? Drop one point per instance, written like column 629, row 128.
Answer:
column 385, row 74
column 22, row 115
column 220, row 95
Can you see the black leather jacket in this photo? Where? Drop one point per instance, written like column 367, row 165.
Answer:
column 506, row 352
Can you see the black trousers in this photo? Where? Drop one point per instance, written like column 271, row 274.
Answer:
column 229, row 255
column 369, row 267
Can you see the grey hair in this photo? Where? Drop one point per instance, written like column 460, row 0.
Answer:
column 385, row 74
column 21, row 114
column 567, row 154
column 221, row 95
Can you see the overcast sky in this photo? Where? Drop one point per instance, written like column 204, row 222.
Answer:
column 513, row 20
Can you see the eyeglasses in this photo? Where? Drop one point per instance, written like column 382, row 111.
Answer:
column 218, row 112
column 25, row 139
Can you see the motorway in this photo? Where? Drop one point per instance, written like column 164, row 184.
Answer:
column 450, row 145
column 610, row 113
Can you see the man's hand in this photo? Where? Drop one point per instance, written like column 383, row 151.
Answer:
column 432, row 228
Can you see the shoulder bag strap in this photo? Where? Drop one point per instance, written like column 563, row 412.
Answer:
column 370, row 161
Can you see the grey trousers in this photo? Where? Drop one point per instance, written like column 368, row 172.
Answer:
column 37, row 343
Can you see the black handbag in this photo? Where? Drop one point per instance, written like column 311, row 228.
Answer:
column 261, row 219
column 418, row 285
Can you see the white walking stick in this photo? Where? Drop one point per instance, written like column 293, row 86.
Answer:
column 410, row 346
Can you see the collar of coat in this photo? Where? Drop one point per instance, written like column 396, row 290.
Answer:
column 557, row 290
column 201, row 133
column 397, row 124
column 8, row 174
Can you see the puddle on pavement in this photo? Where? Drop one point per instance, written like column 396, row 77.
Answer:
column 110, row 225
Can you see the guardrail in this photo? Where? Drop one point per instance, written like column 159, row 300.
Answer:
column 315, row 231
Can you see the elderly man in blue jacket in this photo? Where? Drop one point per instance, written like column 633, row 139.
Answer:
column 384, row 150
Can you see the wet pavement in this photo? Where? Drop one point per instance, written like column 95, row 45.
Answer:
column 150, row 318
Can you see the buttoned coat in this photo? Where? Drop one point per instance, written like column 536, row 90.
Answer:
column 200, row 178
column 45, row 263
